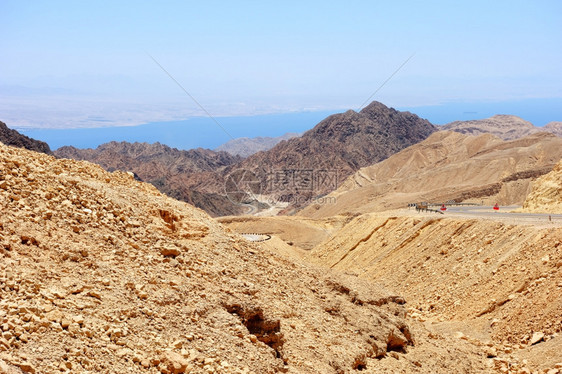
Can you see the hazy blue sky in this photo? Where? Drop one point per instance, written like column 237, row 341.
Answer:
column 78, row 63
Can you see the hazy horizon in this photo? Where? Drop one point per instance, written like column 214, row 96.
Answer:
column 78, row 65
column 204, row 132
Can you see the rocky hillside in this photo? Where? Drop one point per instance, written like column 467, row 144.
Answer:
column 497, row 284
column 14, row 138
column 245, row 147
column 505, row 127
column 172, row 171
column 314, row 164
column 447, row 166
column 546, row 195
column 102, row 273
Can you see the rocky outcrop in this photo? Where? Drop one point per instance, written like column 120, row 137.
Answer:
column 546, row 194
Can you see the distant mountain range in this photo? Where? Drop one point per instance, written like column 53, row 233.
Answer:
column 505, row 127
column 245, row 147
column 15, row 139
column 294, row 170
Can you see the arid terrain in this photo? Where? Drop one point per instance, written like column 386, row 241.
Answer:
column 102, row 273
column 492, row 279
column 447, row 166
column 293, row 171
column 494, row 282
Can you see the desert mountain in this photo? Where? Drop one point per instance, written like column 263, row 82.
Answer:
column 245, row 147
column 505, row 127
column 172, row 171
column 447, row 166
column 12, row 137
column 302, row 168
column 546, row 195
column 103, row 273
column 295, row 170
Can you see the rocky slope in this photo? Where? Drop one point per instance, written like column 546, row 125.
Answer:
column 446, row 166
column 312, row 165
column 102, row 273
column 493, row 283
column 546, row 195
column 14, row 138
column 506, row 127
column 172, row 171
column 245, row 147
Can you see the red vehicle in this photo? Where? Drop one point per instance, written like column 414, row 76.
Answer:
column 496, row 207
column 443, row 207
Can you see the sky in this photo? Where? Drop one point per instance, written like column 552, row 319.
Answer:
column 69, row 64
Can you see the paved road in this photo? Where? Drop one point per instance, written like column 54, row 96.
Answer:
column 504, row 211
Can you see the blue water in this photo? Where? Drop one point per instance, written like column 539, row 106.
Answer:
column 204, row 132
column 190, row 133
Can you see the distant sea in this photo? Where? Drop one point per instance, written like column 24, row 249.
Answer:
column 187, row 134
column 204, row 132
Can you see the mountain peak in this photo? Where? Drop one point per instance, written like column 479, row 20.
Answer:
column 375, row 106
column 340, row 144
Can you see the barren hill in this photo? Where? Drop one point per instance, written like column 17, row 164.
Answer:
column 245, row 147
column 102, row 273
column 447, row 166
column 12, row 137
column 506, row 127
column 172, row 171
column 546, row 195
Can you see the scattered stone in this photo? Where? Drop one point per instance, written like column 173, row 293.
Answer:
column 169, row 251
column 491, row 352
column 174, row 363
column 27, row 367
column 536, row 338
